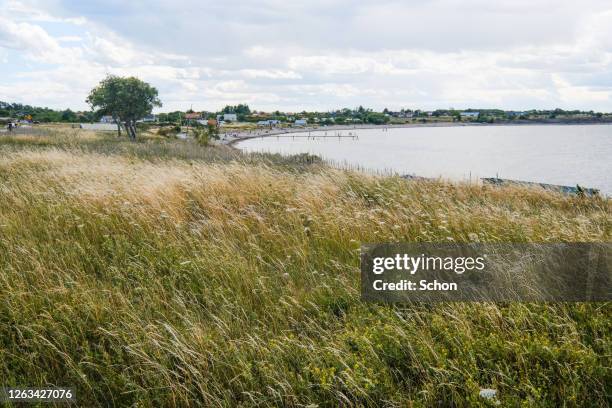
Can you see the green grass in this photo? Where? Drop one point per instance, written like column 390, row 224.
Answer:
column 163, row 273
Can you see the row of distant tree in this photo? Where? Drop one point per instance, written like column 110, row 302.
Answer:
column 44, row 115
column 20, row 111
column 360, row 114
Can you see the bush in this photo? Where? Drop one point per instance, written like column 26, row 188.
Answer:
column 170, row 131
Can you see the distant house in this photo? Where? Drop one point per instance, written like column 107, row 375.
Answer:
column 107, row 119
column 149, row 119
column 469, row 115
column 207, row 122
column 270, row 122
column 227, row 117
column 193, row 116
column 300, row 122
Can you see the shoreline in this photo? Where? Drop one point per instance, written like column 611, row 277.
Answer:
column 232, row 141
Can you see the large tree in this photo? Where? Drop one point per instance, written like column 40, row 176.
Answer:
column 125, row 99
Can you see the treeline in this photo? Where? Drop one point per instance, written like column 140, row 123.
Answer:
column 245, row 114
column 19, row 111
column 340, row 116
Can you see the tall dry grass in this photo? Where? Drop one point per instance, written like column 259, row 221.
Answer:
column 220, row 280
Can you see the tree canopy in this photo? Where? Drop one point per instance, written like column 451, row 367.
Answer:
column 125, row 99
column 240, row 109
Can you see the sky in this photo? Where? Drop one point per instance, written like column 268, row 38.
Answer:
column 313, row 55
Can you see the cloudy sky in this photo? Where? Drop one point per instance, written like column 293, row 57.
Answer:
column 316, row 54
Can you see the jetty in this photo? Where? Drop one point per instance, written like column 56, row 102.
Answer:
column 293, row 136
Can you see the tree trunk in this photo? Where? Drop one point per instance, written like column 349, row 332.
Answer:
column 118, row 127
column 129, row 130
column 133, row 124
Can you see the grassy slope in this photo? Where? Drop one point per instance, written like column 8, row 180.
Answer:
column 172, row 275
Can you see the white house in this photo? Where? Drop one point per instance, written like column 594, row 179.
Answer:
column 107, row 119
column 269, row 122
column 470, row 115
column 300, row 122
column 149, row 118
column 227, row 117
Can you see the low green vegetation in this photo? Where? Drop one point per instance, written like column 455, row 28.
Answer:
column 166, row 273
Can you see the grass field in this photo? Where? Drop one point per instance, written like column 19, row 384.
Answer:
column 164, row 273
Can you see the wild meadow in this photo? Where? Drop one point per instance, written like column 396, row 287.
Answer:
column 163, row 273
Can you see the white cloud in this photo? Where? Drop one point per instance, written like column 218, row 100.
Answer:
column 69, row 38
column 258, row 51
column 269, row 74
column 34, row 11
column 318, row 54
column 34, row 42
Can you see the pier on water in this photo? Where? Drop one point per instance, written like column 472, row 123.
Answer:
column 336, row 135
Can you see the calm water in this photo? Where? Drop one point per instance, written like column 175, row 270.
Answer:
column 563, row 154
